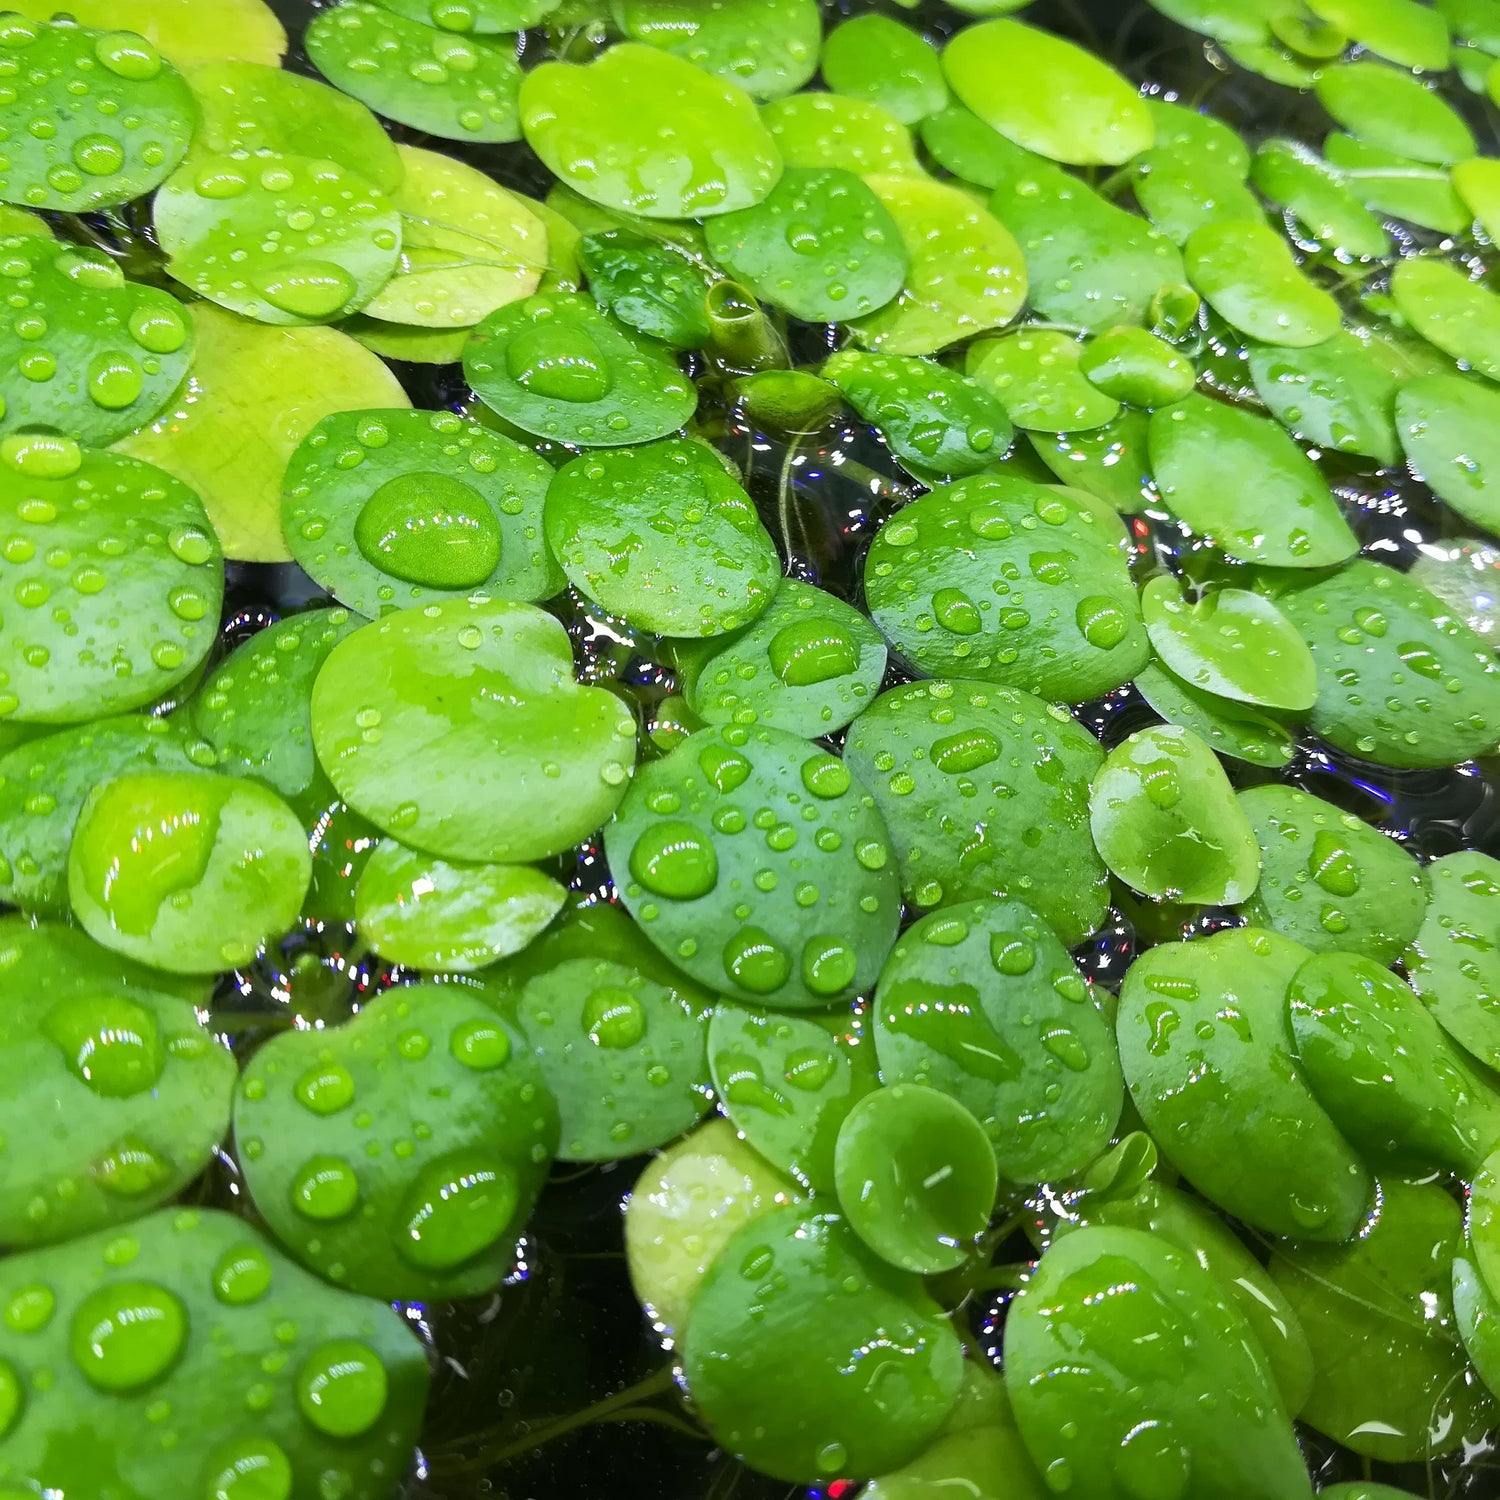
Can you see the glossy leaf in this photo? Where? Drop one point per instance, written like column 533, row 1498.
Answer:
column 1209, row 1057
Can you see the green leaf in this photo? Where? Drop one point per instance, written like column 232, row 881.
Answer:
column 1392, row 1381
column 1131, row 1373
column 190, row 1327
column 1208, row 1054
column 790, row 1303
column 523, row 764
column 981, row 1001
column 985, row 793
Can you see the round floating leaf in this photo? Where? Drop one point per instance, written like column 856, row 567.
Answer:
column 192, row 1326
column 734, row 811
column 964, row 583
column 1477, row 184
column 462, row 1127
column 558, row 368
column 1318, row 196
column 483, row 16
column 386, row 509
column 120, row 1100
column 1238, row 478
column 981, row 1001
column 966, row 272
column 985, row 792
column 647, row 286
column 828, row 130
column 789, row 1306
column 916, row 1177
column 1399, row 186
column 255, row 709
column 1400, row 680
column 1191, row 1226
column 1131, row 1372
column 342, row 843
column 809, row 664
column 877, row 59
column 115, row 118
column 1385, row 1070
column 186, row 31
column 821, row 245
column 1476, row 1315
column 144, row 576
column 185, row 870
column 788, row 1083
column 1450, row 430
column 1208, row 1054
column 254, row 393
column 282, row 239
column 1231, row 728
column 427, row 913
column 246, row 107
column 1241, row 21
column 1453, row 962
column 517, row 765
column 1182, row 189
column 1109, row 462
column 1391, row 1381
column 1230, row 642
column 1165, row 820
column 467, row 245
column 1458, row 316
column 1392, row 111
column 1035, row 375
column 647, row 132
column 461, row 88
column 85, row 351
column 986, row 1460
column 1247, row 274
column 1088, row 261
column 664, row 536
column 1129, row 364
column 683, row 1209
column 1073, row 107
column 1337, row 394
column 933, row 418
column 1415, row 36
column 44, row 782
column 1328, row 880
column 618, row 1033
column 766, row 47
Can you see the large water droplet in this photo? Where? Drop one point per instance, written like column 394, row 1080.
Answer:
column 613, row 1017
column 1332, row 865
column 126, row 1334
column 109, row 1042
column 315, row 289
column 456, row 1206
column 559, row 363
column 675, row 860
column 808, row 652
column 243, row 1275
column 341, row 1388
column 430, row 529
column 325, row 1188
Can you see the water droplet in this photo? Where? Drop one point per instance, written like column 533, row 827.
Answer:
column 341, row 1388
column 127, row 1334
column 325, row 1089
column 108, row 1042
column 431, row 530
column 957, row 612
column 242, row 1275
column 808, row 652
column 325, row 1188
column 559, row 363
column 252, row 1468
column 755, row 962
column 613, row 1017
column 481, row 1045
column 457, row 1206
column 675, row 860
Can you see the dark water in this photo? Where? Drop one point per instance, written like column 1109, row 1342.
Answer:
column 565, row 1331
